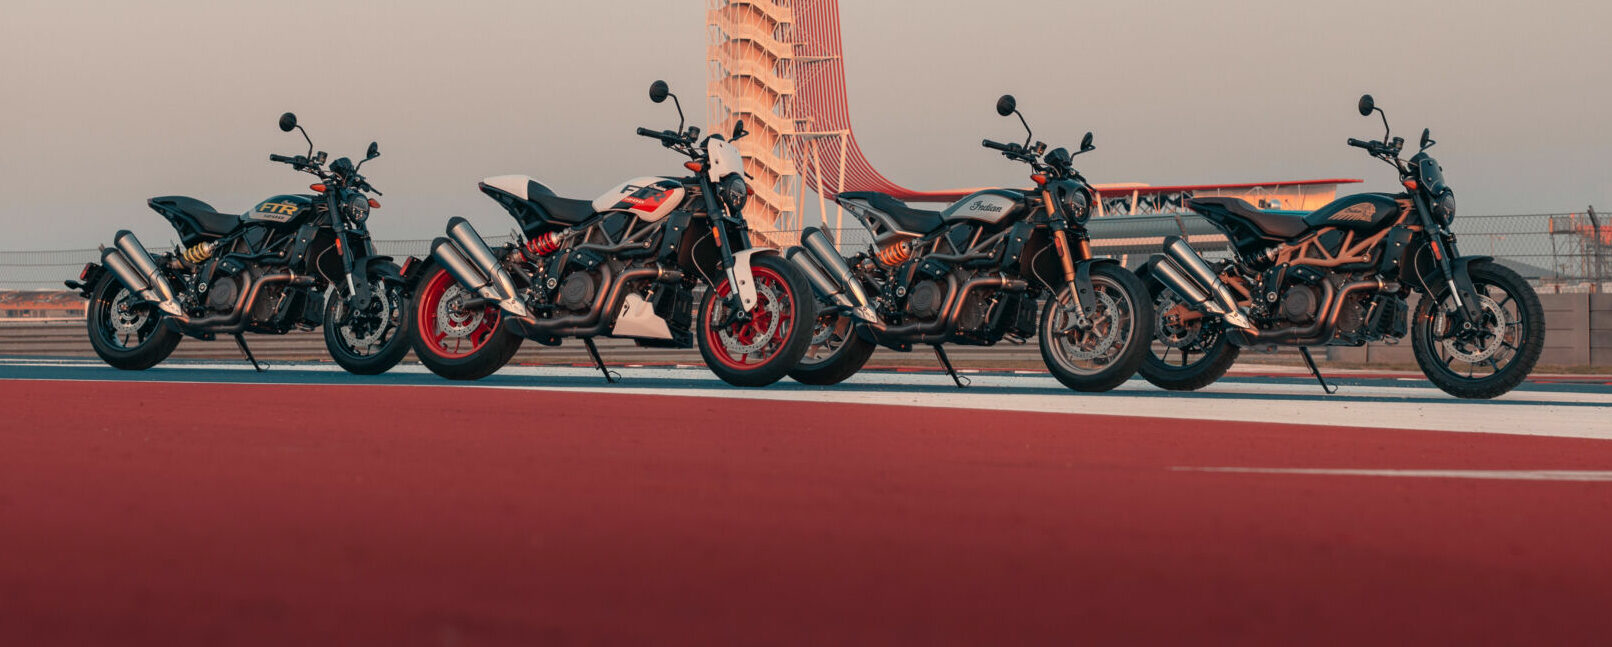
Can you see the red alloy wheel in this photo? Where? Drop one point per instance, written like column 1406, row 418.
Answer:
column 745, row 333
column 435, row 330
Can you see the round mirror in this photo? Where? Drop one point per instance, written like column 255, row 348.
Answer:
column 658, row 91
column 1367, row 105
column 288, row 121
column 1006, row 105
column 374, row 151
column 1085, row 142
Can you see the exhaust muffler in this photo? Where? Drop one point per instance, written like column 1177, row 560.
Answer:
column 826, row 260
column 1181, row 264
column 474, row 251
column 131, row 263
column 471, row 274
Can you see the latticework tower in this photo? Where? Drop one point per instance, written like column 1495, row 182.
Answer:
column 750, row 77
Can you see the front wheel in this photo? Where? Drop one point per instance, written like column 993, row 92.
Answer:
column 763, row 349
column 1106, row 349
column 1493, row 356
column 125, row 332
column 836, row 351
column 369, row 338
column 454, row 341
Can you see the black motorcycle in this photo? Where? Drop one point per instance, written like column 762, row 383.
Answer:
column 1343, row 276
column 975, row 273
column 292, row 262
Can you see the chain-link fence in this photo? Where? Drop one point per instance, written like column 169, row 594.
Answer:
column 1560, row 252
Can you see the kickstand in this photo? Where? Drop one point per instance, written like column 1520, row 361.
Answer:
column 1310, row 362
column 610, row 376
column 940, row 354
column 241, row 341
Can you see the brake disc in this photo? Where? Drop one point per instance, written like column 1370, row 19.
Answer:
column 1174, row 335
column 1090, row 343
column 126, row 319
column 454, row 321
column 773, row 307
column 1487, row 342
column 375, row 314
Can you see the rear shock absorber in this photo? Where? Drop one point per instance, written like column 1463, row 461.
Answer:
column 894, row 253
column 199, row 252
column 543, row 245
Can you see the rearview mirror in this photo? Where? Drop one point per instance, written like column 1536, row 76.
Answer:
column 288, row 121
column 658, row 91
column 1367, row 104
column 374, row 151
column 1006, row 105
column 738, row 130
column 1085, row 142
column 1427, row 138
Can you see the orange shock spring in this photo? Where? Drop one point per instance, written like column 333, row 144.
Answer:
column 894, row 254
column 197, row 253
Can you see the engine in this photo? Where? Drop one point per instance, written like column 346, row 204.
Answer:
column 925, row 300
column 577, row 291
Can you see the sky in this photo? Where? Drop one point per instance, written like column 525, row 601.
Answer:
column 107, row 104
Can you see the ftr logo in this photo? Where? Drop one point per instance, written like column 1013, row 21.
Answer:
column 278, row 208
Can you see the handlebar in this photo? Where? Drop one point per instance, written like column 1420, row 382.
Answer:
column 665, row 136
column 281, row 158
column 1360, row 144
column 997, row 145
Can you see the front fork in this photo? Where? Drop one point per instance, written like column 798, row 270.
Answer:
column 717, row 215
column 1468, row 310
column 1073, row 252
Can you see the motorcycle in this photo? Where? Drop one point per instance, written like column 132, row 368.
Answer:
column 974, row 274
column 295, row 261
column 1342, row 276
column 623, row 265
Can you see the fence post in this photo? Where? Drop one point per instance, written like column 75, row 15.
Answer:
column 1596, row 249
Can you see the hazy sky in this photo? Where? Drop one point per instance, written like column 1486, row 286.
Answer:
column 106, row 104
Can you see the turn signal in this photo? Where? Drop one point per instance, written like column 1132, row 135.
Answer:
column 374, row 204
column 694, row 166
column 317, row 188
column 1410, row 184
column 1038, row 179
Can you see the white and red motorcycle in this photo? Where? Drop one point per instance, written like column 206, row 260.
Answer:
column 623, row 265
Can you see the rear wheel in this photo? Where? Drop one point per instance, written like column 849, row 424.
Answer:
column 453, row 341
column 1106, row 351
column 1189, row 350
column 836, row 351
column 1495, row 355
column 762, row 350
column 124, row 332
column 368, row 339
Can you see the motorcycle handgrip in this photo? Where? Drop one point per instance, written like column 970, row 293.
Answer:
column 657, row 134
column 279, row 158
column 1360, row 144
column 998, row 146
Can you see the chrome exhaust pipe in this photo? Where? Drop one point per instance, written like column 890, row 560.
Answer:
column 827, row 258
column 825, row 287
column 1167, row 273
column 475, row 250
column 1193, row 266
column 129, row 260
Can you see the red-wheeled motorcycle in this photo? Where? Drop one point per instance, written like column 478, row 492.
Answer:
column 623, row 265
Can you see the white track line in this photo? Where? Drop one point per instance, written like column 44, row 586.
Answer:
column 1496, row 475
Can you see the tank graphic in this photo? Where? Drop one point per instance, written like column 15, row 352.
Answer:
column 649, row 198
column 282, row 209
column 990, row 205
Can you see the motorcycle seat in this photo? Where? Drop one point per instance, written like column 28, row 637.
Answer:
column 1281, row 225
column 560, row 209
column 918, row 221
column 200, row 215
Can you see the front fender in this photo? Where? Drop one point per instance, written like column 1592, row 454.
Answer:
column 744, row 277
column 379, row 267
column 1085, row 295
column 1461, row 276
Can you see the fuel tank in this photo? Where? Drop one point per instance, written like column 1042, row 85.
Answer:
column 649, row 198
column 1363, row 211
column 284, row 211
column 990, row 206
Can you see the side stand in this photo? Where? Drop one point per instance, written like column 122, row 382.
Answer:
column 940, row 354
column 241, row 341
column 1310, row 362
column 610, row 376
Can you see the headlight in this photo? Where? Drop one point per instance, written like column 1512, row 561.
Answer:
column 356, row 207
column 1075, row 205
column 1444, row 207
column 733, row 191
